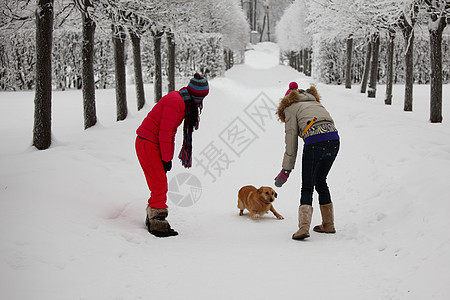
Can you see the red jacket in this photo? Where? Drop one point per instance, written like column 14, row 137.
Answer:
column 161, row 123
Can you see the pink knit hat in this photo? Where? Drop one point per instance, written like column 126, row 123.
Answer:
column 292, row 86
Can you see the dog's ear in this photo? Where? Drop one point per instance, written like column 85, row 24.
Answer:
column 276, row 195
column 260, row 190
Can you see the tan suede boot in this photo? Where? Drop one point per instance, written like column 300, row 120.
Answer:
column 304, row 222
column 157, row 224
column 327, row 225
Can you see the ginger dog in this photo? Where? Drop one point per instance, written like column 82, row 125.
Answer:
column 257, row 201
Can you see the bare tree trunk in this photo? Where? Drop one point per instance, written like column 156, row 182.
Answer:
column 301, row 63
column 436, row 69
column 137, row 62
column 228, row 57
column 348, row 73
column 226, row 60
column 305, row 62
column 262, row 30
column 371, row 93
column 120, row 78
column 291, row 59
column 87, row 77
column 43, row 95
column 231, row 57
column 390, row 67
column 365, row 78
column 254, row 15
column 171, row 59
column 295, row 60
column 408, row 34
column 310, row 53
column 158, row 67
column 250, row 14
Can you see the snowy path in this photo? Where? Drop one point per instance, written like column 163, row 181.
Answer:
column 71, row 217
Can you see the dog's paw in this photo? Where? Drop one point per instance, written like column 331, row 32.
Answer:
column 255, row 216
column 280, row 217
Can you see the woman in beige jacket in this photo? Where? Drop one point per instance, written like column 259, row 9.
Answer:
column 304, row 116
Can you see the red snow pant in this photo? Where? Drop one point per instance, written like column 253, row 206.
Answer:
column 149, row 155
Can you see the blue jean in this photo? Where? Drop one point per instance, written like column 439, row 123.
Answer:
column 317, row 161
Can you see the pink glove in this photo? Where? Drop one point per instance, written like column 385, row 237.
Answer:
column 282, row 177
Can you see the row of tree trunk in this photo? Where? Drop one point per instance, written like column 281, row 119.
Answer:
column 370, row 75
column 43, row 93
column 301, row 61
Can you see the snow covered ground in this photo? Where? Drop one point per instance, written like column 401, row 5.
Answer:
column 72, row 216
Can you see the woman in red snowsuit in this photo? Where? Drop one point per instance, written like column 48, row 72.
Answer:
column 155, row 145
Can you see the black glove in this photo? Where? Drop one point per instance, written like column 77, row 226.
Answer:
column 167, row 165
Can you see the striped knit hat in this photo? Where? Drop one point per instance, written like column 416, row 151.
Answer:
column 198, row 87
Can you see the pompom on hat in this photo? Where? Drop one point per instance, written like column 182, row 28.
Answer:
column 292, row 86
column 198, row 87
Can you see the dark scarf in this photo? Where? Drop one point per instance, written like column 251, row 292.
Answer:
column 191, row 122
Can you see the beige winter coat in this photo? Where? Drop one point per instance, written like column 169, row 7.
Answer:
column 296, row 110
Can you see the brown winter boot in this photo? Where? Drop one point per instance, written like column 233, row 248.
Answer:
column 157, row 224
column 304, row 222
column 327, row 225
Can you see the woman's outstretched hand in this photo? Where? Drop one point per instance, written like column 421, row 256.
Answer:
column 282, row 177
